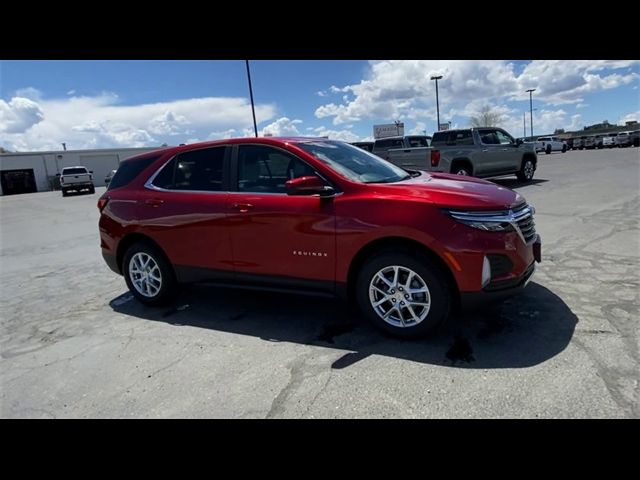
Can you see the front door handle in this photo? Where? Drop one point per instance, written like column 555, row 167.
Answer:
column 154, row 202
column 242, row 207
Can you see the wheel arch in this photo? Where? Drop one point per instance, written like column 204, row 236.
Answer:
column 401, row 244
column 135, row 237
column 462, row 160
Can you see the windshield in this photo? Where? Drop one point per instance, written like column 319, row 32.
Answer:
column 354, row 163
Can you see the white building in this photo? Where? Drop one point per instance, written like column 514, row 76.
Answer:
column 26, row 172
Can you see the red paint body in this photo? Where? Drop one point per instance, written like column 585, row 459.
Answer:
column 308, row 237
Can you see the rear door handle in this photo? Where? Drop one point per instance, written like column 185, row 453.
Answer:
column 154, row 202
column 242, row 207
column 485, row 149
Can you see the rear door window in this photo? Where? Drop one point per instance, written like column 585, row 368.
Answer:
column 195, row 170
column 128, row 170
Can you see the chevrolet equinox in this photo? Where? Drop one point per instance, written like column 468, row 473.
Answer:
column 318, row 216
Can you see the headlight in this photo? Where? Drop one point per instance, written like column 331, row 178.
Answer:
column 487, row 221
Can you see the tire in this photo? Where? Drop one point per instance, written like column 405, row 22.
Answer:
column 461, row 169
column 564, row 149
column 548, row 150
column 425, row 274
column 136, row 255
column 92, row 189
column 64, row 193
column 527, row 170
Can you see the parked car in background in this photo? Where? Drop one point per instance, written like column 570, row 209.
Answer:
column 109, row 176
column 578, row 143
column 635, row 138
column 76, row 179
column 550, row 144
column 480, row 152
column 609, row 140
column 593, row 142
column 406, row 247
column 368, row 146
column 623, row 139
column 382, row 145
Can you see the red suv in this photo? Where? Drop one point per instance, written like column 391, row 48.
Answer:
column 319, row 216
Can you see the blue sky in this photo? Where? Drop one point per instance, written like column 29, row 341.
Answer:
column 91, row 104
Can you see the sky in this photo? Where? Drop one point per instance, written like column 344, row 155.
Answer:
column 98, row 104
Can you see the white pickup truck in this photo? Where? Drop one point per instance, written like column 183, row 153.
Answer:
column 76, row 178
column 550, row 144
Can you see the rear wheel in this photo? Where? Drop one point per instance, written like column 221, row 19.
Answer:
column 92, row 189
column 526, row 170
column 564, row 148
column 64, row 192
column 148, row 274
column 403, row 295
column 548, row 150
column 461, row 168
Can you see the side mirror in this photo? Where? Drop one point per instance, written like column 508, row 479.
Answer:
column 58, row 174
column 90, row 171
column 310, row 185
column 519, row 142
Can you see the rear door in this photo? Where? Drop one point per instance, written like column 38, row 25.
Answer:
column 510, row 155
column 183, row 208
column 488, row 159
column 275, row 236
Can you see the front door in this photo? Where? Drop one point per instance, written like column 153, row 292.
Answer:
column 275, row 236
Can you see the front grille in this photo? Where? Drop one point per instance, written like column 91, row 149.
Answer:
column 500, row 265
column 524, row 219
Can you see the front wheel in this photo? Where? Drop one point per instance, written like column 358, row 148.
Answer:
column 403, row 295
column 564, row 148
column 526, row 171
column 149, row 275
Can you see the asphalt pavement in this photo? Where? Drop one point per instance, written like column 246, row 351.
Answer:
column 74, row 343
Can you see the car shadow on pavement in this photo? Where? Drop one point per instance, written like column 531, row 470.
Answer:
column 515, row 183
column 521, row 332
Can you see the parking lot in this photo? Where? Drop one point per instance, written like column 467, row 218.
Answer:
column 74, row 343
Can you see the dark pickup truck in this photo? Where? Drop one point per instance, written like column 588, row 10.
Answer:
column 481, row 152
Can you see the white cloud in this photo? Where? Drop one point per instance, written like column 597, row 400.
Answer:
column 71, row 92
column 630, row 117
column 282, row 127
column 344, row 135
column 100, row 121
column 321, row 93
column 419, row 129
column 582, row 105
column 19, row 115
column 403, row 90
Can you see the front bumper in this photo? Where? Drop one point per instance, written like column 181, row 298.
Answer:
column 502, row 289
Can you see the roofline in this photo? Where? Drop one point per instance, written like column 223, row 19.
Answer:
column 50, row 152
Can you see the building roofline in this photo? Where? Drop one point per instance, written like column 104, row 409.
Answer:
column 93, row 150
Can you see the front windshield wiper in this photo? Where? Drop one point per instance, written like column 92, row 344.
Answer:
column 391, row 179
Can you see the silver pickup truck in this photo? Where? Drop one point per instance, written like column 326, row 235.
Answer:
column 481, row 152
column 382, row 146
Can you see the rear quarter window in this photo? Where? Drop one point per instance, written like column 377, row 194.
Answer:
column 130, row 169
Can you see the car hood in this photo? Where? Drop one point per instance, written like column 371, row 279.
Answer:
column 454, row 191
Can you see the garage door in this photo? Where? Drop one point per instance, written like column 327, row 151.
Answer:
column 18, row 181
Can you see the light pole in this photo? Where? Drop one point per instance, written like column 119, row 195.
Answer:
column 531, row 90
column 437, row 100
column 253, row 108
column 524, row 125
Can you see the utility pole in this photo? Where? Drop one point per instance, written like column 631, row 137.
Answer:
column 253, row 108
column 436, row 78
column 531, row 90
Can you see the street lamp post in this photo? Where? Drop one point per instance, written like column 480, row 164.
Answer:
column 437, row 100
column 531, row 90
column 524, row 125
column 253, row 108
